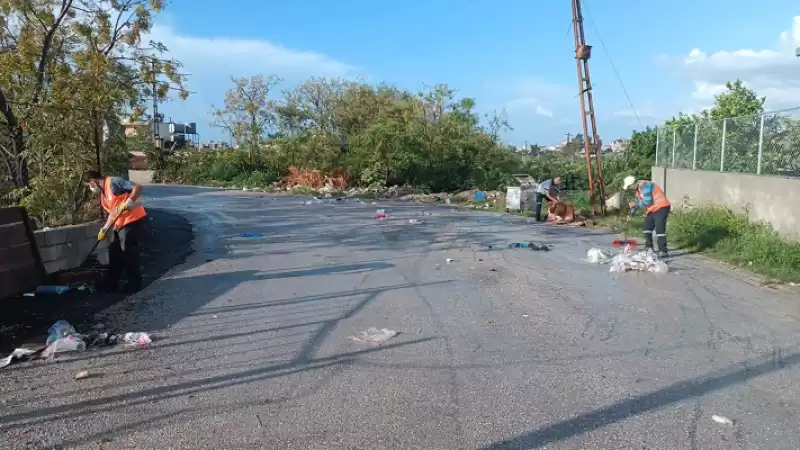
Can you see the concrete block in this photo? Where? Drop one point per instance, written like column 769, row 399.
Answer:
column 53, row 252
column 55, row 236
column 41, row 239
column 55, row 266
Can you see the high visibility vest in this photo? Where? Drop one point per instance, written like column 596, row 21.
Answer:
column 111, row 202
column 659, row 197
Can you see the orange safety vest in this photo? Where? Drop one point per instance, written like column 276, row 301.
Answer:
column 659, row 197
column 110, row 202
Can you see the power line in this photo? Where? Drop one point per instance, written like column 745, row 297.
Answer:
column 613, row 66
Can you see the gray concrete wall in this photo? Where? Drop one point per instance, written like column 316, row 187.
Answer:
column 764, row 198
column 66, row 248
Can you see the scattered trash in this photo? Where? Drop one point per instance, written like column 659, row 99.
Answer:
column 52, row 290
column 60, row 329
column 71, row 343
column 722, row 420
column 414, row 221
column 137, row 339
column 447, row 201
column 530, row 245
column 480, row 196
column 17, row 355
column 29, row 294
column 374, row 336
column 251, row 235
column 525, row 315
column 640, row 261
column 598, row 256
column 449, row 260
column 83, row 374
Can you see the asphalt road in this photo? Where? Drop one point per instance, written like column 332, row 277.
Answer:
column 498, row 349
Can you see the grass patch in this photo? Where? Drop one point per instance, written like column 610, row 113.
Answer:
column 726, row 236
column 731, row 237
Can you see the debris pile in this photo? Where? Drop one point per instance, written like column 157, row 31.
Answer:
column 63, row 338
column 626, row 261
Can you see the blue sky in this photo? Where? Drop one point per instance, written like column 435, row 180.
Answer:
column 671, row 56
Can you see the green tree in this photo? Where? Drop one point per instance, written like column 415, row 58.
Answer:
column 248, row 115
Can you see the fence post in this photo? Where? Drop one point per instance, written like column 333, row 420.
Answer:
column 694, row 150
column 722, row 152
column 658, row 135
column 674, row 141
column 760, row 144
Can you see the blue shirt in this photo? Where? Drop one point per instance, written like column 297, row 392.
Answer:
column 646, row 191
column 121, row 186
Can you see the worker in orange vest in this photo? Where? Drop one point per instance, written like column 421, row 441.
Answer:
column 119, row 197
column 650, row 196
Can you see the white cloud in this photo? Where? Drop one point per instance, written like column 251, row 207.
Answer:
column 543, row 112
column 774, row 72
column 210, row 62
column 238, row 57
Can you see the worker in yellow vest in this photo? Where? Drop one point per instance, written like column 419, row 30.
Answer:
column 650, row 196
column 119, row 197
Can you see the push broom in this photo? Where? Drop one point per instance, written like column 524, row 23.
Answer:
column 625, row 241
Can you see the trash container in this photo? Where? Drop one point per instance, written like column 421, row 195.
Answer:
column 522, row 197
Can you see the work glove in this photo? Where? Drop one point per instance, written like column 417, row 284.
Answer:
column 128, row 204
column 101, row 235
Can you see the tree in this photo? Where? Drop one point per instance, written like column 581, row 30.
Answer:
column 68, row 68
column 249, row 114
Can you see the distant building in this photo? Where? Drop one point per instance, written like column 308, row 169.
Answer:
column 172, row 135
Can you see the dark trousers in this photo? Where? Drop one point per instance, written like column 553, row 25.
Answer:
column 656, row 223
column 123, row 256
column 540, row 198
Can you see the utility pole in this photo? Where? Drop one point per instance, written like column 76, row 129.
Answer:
column 156, row 135
column 569, row 137
column 591, row 140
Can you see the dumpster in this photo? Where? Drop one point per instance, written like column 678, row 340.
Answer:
column 521, row 197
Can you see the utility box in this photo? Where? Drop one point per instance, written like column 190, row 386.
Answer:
column 520, row 198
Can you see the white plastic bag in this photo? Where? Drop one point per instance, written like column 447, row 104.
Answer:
column 598, row 256
column 71, row 343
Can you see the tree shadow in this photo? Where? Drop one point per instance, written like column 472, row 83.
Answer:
column 669, row 395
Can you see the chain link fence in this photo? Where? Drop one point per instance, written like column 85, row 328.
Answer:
column 767, row 144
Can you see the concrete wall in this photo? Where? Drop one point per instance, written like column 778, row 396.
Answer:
column 66, row 248
column 765, row 198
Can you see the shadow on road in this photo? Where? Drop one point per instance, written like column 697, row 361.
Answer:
column 617, row 412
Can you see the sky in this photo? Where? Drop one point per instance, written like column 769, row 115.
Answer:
column 512, row 55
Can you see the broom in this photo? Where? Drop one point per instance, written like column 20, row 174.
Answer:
column 625, row 241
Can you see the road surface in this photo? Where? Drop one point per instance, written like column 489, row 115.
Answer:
column 498, row 349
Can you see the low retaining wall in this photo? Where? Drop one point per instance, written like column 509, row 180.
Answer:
column 66, row 248
column 764, row 198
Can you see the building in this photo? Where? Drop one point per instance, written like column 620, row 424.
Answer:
column 173, row 135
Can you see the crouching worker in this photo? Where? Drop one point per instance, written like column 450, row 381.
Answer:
column 119, row 197
column 546, row 190
column 650, row 196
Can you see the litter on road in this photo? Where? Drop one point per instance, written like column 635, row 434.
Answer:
column 251, row 235
column 722, row 420
column 83, row 374
column 640, row 261
column 530, row 244
column 19, row 354
column 374, row 336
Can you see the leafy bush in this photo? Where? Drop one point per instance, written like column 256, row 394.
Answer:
column 731, row 237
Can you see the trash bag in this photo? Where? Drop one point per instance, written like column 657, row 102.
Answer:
column 598, row 256
column 640, row 261
column 71, row 343
column 59, row 330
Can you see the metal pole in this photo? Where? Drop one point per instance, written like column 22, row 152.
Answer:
column 760, row 144
column 722, row 153
column 674, row 142
column 658, row 138
column 694, row 151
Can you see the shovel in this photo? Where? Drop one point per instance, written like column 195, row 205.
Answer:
column 624, row 241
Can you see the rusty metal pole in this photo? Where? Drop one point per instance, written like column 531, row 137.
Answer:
column 583, row 53
column 577, row 26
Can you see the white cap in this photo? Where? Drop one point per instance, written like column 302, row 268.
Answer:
column 630, row 180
